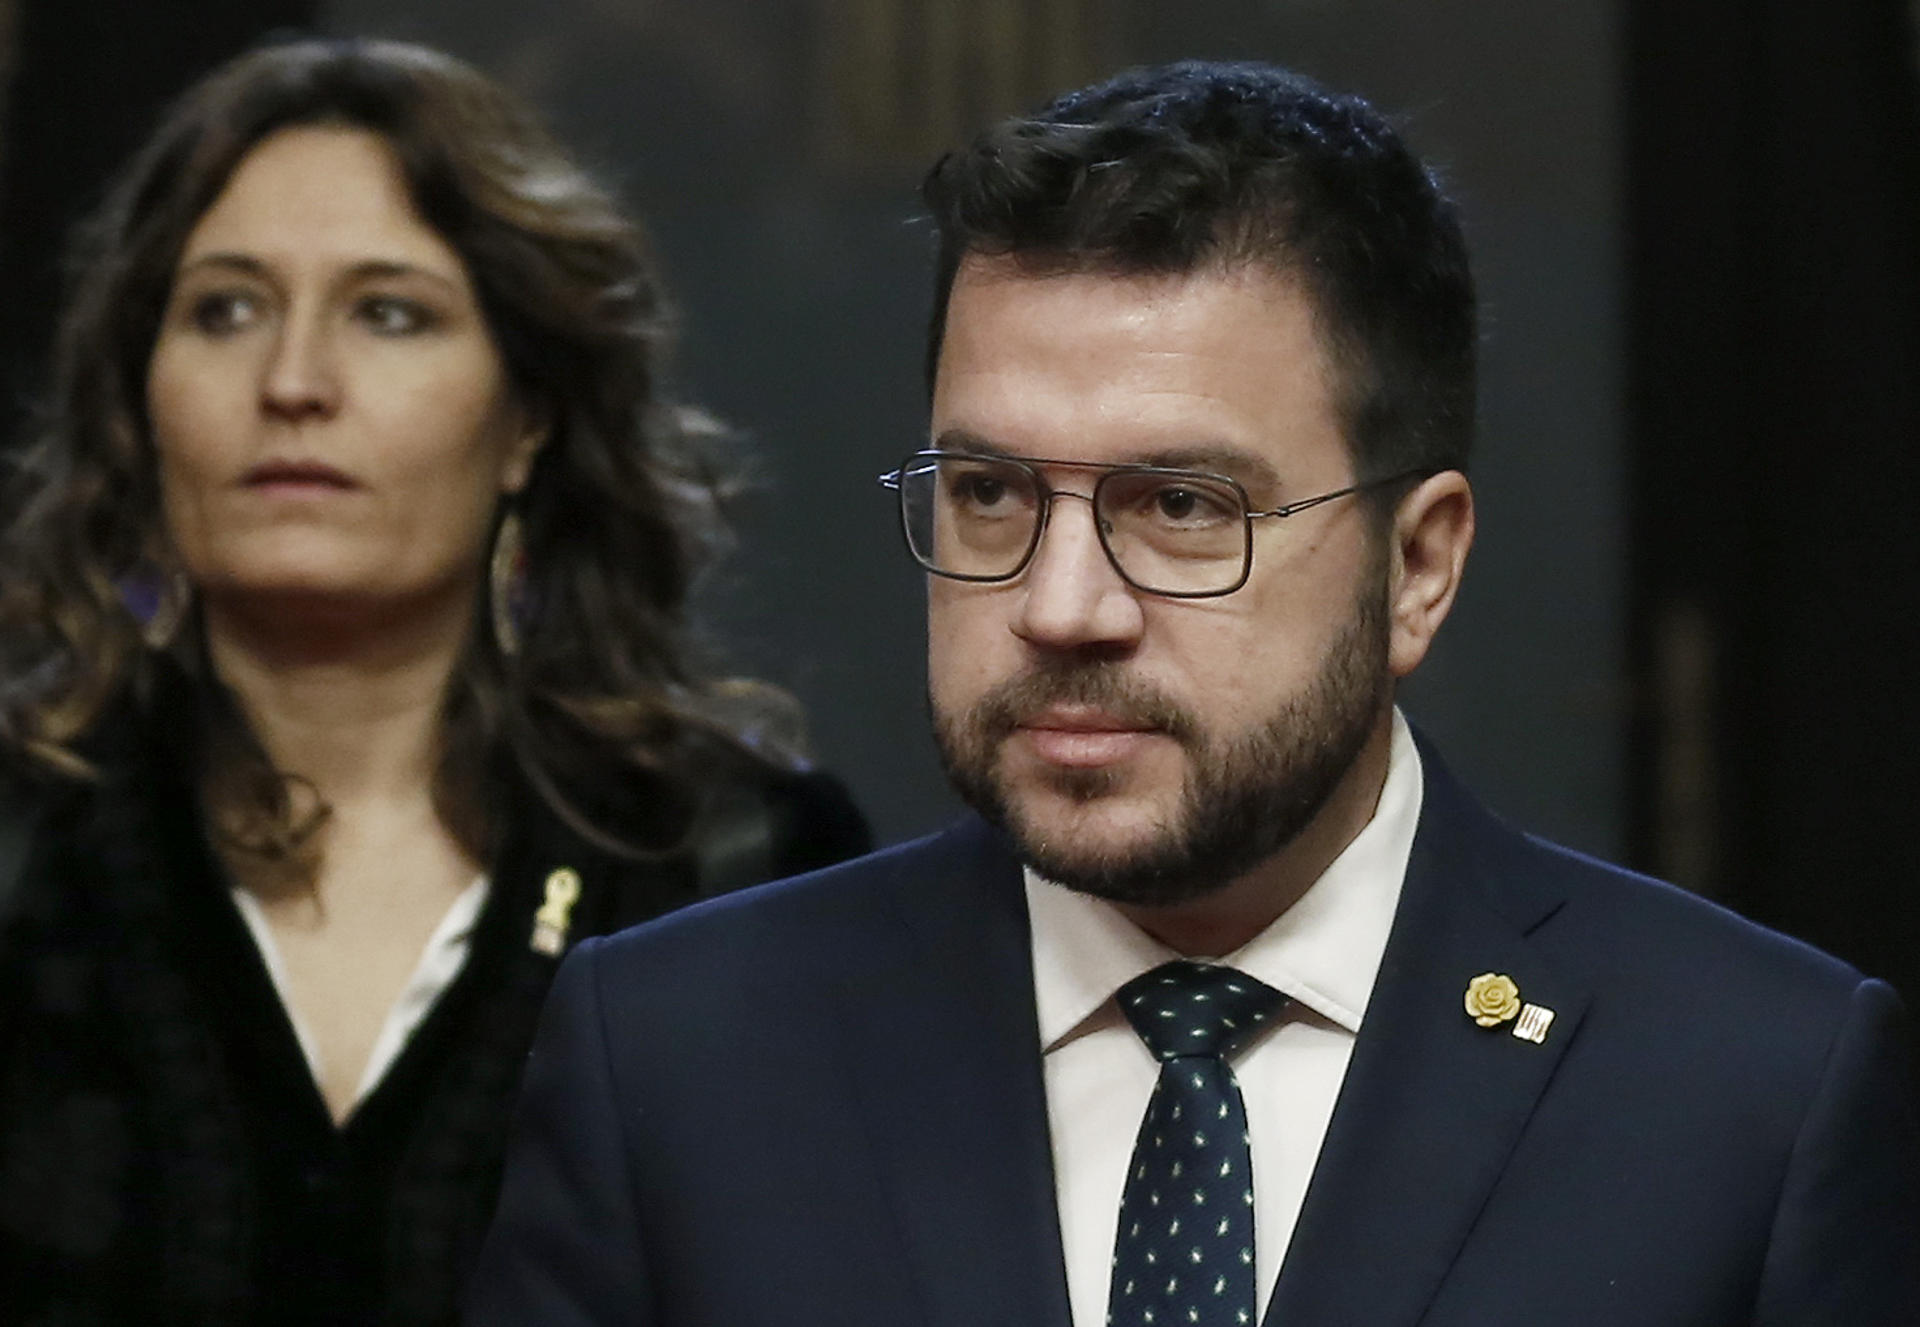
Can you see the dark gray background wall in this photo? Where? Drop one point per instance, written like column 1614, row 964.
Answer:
column 774, row 147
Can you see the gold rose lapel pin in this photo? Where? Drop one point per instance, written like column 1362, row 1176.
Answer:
column 1493, row 998
column 556, row 913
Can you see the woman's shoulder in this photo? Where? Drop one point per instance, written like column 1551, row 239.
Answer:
column 758, row 813
column 39, row 813
column 776, row 820
column 21, row 806
column 721, row 816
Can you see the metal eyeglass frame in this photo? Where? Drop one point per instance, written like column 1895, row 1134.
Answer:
column 894, row 479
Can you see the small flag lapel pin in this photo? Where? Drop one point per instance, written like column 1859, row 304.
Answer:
column 1533, row 1023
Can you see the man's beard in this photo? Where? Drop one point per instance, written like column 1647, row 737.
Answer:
column 1244, row 798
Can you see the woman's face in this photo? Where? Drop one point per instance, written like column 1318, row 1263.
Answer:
column 332, row 416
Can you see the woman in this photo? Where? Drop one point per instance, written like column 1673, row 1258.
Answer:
column 342, row 688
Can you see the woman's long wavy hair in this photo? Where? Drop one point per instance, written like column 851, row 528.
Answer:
column 622, row 506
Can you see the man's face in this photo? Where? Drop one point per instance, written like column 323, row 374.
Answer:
column 1143, row 748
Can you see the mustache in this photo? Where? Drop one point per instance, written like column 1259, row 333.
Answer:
column 1103, row 686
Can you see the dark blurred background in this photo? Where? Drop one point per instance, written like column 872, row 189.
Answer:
column 1687, row 629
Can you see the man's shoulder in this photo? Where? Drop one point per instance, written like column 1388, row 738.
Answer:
column 1622, row 929
column 779, row 967
column 862, row 905
column 1645, row 923
column 1679, row 980
column 1655, row 990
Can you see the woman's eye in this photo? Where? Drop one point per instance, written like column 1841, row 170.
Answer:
column 223, row 312
column 392, row 315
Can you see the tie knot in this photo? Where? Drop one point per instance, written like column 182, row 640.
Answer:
column 1187, row 1008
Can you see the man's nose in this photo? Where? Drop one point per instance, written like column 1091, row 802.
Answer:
column 1072, row 594
column 301, row 378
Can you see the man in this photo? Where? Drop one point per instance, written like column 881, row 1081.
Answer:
column 1202, row 372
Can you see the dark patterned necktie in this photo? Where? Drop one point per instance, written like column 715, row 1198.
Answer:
column 1184, row 1251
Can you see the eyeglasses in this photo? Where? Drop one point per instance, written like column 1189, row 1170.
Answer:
column 1183, row 534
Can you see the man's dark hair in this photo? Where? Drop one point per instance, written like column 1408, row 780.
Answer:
column 1199, row 165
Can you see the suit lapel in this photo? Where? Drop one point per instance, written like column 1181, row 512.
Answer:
column 946, row 1066
column 1432, row 1104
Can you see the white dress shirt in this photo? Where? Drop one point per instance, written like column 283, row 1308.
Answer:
column 1323, row 953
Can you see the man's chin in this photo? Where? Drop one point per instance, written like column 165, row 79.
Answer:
column 1099, row 830
column 1101, row 810
column 1143, row 876
column 1107, row 846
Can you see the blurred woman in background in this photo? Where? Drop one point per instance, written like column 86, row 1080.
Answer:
column 342, row 687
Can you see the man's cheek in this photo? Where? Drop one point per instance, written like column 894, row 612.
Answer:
column 960, row 656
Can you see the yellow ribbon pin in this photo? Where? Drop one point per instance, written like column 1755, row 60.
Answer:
column 550, row 924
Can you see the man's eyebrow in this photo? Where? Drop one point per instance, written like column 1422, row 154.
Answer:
column 1217, row 459
column 1251, row 470
column 966, row 440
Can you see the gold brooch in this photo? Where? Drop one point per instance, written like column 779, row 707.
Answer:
column 1492, row 999
column 556, row 913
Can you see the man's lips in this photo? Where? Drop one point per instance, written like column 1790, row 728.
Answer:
column 1083, row 738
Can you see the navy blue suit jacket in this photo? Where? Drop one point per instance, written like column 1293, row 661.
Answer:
column 821, row 1102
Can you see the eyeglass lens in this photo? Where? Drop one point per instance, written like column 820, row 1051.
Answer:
column 1167, row 531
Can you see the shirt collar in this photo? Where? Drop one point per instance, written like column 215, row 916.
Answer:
column 1323, row 952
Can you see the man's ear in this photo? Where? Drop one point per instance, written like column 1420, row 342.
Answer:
column 1432, row 531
